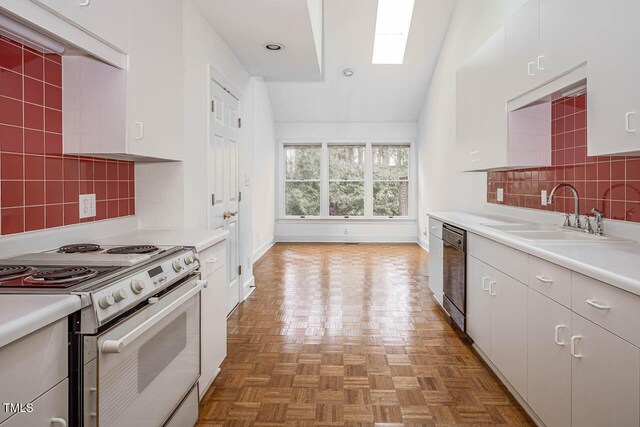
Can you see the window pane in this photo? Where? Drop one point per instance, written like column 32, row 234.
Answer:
column 346, row 162
column 303, row 162
column 391, row 198
column 346, row 198
column 302, row 198
column 390, row 162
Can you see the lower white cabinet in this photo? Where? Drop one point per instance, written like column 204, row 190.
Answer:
column 509, row 329
column 479, row 304
column 436, row 267
column 213, row 348
column 49, row 410
column 549, row 360
column 605, row 375
column 497, row 320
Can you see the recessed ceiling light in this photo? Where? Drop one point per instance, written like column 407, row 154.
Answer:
column 392, row 30
column 273, row 46
column 347, row 72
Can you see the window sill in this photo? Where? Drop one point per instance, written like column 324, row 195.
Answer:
column 318, row 219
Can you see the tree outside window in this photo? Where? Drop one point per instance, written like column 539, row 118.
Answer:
column 346, row 180
column 390, row 180
column 302, row 180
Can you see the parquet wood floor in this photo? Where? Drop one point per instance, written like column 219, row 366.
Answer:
column 341, row 334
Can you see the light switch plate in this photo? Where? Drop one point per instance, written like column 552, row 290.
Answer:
column 87, row 205
column 500, row 194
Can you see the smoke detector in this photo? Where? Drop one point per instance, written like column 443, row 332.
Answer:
column 347, row 72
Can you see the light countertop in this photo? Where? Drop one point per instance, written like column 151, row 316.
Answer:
column 23, row 314
column 615, row 263
column 200, row 239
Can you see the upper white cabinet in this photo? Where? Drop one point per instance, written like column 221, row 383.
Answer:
column 154, row 86
column 105, row 19
column 545, row 39
column 523, row 33
column 613, row 69
column 132, row 114
column 481, row 116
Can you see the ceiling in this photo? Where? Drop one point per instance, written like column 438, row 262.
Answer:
column 391, row 93
column 246, row 25
column 304, row 89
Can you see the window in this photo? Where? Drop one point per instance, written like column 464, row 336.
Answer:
column 346, row 180
column 390, row 180
column 302, row 180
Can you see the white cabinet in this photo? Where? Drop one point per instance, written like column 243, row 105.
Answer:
column 605, row 377
column 104, row 19
column 545, row 39
column 137, row 113
column 563, row 36
column 613, row 69
column 509, row 329
column 479, row 304
column 481, row 116
column 523, row 33
column 154, row 86
column 435, row 267
column 213, row 349
column 49, row 410
column 549, row 360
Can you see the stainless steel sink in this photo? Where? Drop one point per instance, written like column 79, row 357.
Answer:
column 546, row 233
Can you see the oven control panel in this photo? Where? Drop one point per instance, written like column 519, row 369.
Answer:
column 118, row 297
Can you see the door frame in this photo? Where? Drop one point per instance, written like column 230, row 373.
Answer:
column 215, row 77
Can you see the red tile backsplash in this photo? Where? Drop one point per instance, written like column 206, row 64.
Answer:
column 39, row 186
column 611, row 184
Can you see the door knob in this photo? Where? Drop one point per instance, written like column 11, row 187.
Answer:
column 229, row 214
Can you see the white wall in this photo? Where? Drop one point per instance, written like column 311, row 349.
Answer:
column 441, row 187
column 262, row 170
column 357, row 230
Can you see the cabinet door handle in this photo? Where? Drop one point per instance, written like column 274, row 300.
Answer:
column 441, row 251
column 530, row 68
column 84, row 3
column 539, row 63
column 59, row 421
column 544, row 279
column 484, row 281
column 627, row 122
column 491, row 285
column 595, row 304
column 573, row 346
column 140, row 127
column 556, row 336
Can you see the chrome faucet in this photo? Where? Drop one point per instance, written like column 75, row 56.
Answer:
column 599, row 215
column 576, row 199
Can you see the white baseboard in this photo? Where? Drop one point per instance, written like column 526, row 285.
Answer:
column 346, row 239
column 263, row 249
column 423, row 243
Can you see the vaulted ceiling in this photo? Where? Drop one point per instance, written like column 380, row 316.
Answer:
column 375, row 93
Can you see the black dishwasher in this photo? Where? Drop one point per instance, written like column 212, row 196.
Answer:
column 454, row 275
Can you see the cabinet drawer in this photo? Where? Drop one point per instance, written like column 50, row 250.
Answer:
column 614, row 309
column 503, row 258
column 213, row 258
column 50, row 409
column 551, row 280
column 435, row 227
column 33, row 364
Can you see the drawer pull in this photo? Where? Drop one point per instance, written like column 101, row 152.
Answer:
column 59, row 421
column 491, row 285
column 573, row 346
column 434, row 227
column 556, row 336
column 595, row 304
column 544, row 279
column 212, row 260
column 484, row 282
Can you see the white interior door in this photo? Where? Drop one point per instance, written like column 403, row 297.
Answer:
column 223, row 180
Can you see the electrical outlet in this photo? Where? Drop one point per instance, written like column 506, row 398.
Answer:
column 500, row 194
column 543, row 197
column 87, row 205
column 346, row 231
column 424, row 232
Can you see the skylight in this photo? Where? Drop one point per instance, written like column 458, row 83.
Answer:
column 392, row 29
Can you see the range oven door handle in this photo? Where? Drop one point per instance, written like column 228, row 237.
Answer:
column 118, row 346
